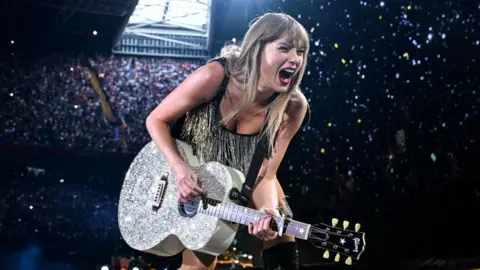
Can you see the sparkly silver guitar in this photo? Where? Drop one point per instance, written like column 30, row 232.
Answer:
column 152, row 220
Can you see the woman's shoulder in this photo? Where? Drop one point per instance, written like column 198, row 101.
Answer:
column 297, row 105
column 204, row 82
column 215, row 68
column 294, row 114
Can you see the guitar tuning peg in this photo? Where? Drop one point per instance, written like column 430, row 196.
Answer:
column 348, row 261
column 326, row 255
column 334, row 222
column 345, row 224
column 337, row 257
column 357, row 227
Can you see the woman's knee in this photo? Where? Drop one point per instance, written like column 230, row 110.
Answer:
column 198, row 261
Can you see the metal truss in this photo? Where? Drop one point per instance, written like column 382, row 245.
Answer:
column 193, row 46
column 172, row 21
column 178, row 56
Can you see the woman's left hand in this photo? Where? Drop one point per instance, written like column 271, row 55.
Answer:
column 262, row 228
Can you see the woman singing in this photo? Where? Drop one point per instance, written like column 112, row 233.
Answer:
column 225, row 106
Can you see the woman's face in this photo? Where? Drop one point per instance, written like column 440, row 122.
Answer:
column 280, row 61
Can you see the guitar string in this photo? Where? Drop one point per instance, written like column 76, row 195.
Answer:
column 272, row 224
column 188, row 207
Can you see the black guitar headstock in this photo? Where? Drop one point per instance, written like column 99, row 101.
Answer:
column 339, row 242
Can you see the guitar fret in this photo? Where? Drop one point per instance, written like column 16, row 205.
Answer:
column 229, row 211
column 254, row 217
column 235, row 213
column 225, row 211
column 298, row 229
column 290, row 230
column 239, row 215
column 244, row 215
column 209, row 207
column 242, row 221
column 220, row 210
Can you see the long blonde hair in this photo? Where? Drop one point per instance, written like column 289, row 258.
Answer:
column 243, row 65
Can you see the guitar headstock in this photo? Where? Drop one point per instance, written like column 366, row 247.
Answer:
column 339, row 241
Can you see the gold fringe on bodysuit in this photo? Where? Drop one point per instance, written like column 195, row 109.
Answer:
column 212, row 142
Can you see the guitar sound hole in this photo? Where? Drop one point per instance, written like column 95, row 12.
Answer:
column 189, row 209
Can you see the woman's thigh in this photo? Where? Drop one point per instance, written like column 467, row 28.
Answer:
column 198, row 261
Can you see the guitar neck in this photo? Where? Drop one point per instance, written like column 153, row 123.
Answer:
column 244, row 215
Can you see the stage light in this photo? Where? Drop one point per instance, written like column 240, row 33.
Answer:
column 104, row 267
column 95, row 32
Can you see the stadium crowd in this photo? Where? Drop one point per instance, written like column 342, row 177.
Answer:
column 50, row 101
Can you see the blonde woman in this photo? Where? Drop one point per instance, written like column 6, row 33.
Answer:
column 225, row 106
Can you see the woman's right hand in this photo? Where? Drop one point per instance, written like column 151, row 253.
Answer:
column 187, row 182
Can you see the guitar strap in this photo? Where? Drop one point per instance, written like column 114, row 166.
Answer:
column 253, row 170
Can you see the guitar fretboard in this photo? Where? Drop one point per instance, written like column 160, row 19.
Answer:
column 244, row 215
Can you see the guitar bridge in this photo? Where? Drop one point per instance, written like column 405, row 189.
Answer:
column 159, row 192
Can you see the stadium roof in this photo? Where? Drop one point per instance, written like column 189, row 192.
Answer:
column 193, row 13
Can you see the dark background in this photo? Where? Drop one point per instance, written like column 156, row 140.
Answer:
column 62, row 166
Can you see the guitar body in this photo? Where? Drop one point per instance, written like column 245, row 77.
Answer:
column 151, row 219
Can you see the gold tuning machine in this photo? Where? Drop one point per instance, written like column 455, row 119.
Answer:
column 357, row 227
column 334, row 222
column 348, row 261
column 326, row 254
column 337, row 257
column 345, row 224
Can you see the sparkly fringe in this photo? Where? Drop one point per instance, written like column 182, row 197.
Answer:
column 211, row 142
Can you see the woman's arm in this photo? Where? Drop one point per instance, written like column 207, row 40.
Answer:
column 265, row 192
column 201, row 86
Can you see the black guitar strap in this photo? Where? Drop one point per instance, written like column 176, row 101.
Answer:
column 253, row 170
column 256, row 163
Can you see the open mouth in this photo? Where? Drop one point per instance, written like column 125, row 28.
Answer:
column 285, row 75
